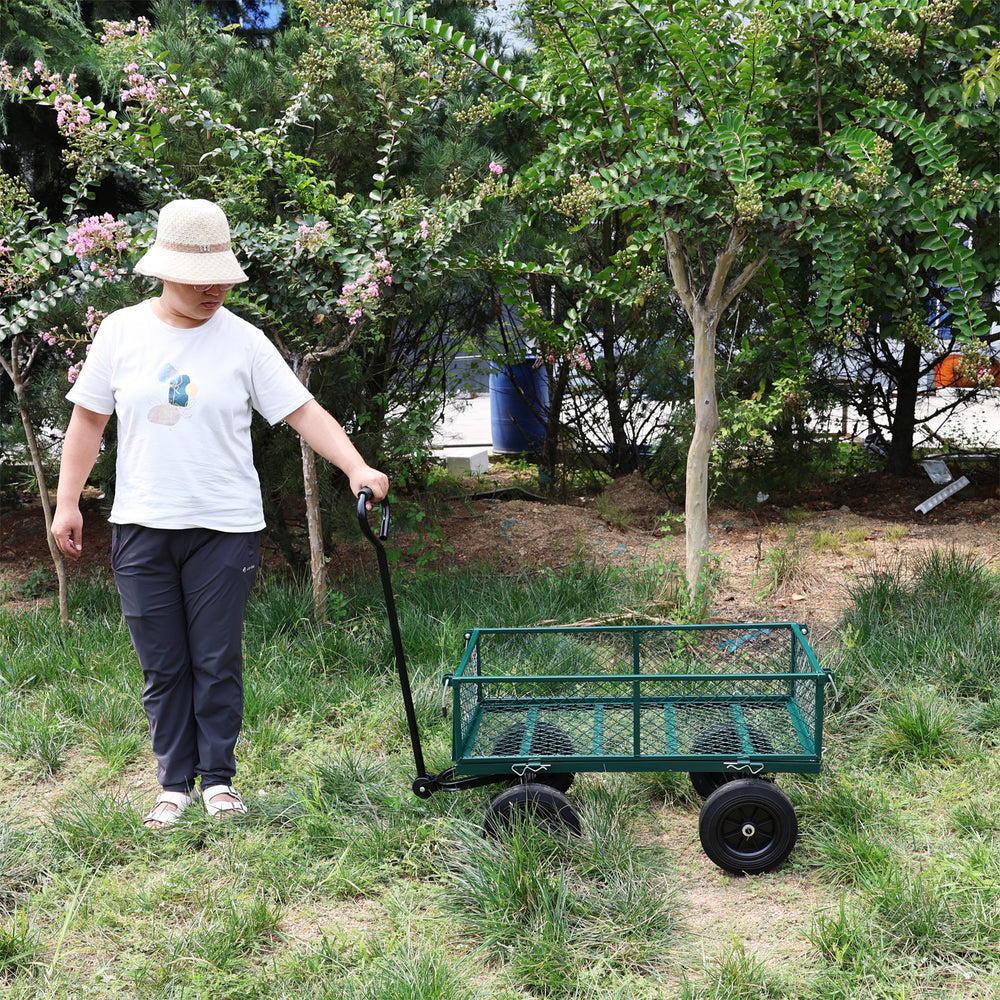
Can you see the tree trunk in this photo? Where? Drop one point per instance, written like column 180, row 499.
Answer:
column 704, row 310
column 43, row 493
column 706, row 424
column 611, row 389
column 899, row 460
column 558, row 380
column 314, row 521
column 314, row 517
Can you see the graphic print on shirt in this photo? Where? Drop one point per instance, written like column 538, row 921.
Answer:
column 180, row 393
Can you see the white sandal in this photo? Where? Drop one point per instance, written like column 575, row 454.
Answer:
column 222, row 807
column 162, row 813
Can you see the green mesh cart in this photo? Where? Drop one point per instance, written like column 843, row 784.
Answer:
column 731, row 705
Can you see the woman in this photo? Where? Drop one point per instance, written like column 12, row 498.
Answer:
column 182, row 375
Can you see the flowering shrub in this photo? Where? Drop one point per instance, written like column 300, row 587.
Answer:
column 84, row 124
column 124, row 41
column 117, row 33
column 71, row 344
column 144, row 91
column 72, row 113
column 977, row 367
column 357, row 297
column 8, row 275
column 102, row 238
column 574, row 356
column 11, row 82
column 311, row 237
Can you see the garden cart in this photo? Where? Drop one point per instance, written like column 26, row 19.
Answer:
column 731, row 705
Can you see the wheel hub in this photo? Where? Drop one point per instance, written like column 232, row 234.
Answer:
column 749, row 830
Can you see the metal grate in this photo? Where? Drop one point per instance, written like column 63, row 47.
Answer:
column 638, row 698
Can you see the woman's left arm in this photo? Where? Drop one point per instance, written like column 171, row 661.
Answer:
column 323, row 433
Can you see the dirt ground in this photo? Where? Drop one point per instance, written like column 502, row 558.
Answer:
column 778, row 561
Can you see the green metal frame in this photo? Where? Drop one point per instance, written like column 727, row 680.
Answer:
column 660, row 708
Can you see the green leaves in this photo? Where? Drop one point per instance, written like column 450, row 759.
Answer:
column 456, row 40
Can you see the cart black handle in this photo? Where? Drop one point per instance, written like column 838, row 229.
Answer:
column 366, row 496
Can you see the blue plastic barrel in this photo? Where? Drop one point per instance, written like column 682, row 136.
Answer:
column 519, row 404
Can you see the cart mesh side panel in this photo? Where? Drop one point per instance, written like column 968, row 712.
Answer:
column 646, row 698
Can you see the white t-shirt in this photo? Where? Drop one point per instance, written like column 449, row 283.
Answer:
column 183, row 400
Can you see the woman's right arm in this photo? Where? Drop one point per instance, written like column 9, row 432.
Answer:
column 79, row 452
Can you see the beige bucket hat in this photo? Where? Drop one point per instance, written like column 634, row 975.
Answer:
column 192, row 246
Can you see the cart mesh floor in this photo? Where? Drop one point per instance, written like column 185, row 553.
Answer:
column 638, row 698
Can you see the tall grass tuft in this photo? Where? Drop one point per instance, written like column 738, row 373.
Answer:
column 229, row 932
column 38, row 742
column 556, row 907
column 99, row 830
column 412, row 971
column 936, row 623
column 912, row 916
column 782, row 563
column 909, row 824
column 21, row 947
column 24, row 862
column 854, row 944
column 739, row 976
column 918, row 725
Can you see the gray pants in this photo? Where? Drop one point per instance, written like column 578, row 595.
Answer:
column 184, row 595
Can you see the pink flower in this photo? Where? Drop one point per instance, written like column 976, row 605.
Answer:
column 98, row 236
column 495, row 168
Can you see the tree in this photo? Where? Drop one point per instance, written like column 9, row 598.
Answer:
column 668, row 116
column 934, row 182
column 42, row 277
column 325, row 259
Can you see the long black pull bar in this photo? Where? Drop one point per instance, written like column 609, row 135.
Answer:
column 364, row 498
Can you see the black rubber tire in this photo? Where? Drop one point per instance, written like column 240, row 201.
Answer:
column 532, row 802
column 748, row 826
column 723, row 739
column 546, row 740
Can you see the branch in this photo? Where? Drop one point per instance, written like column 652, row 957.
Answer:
column 640, row 12
column 723, row 262
column 677, row 262
column 819, row 96
column 741, row 281
column 594, row 86
column 334, row 349
column 10, row 368
column 480, row 57
column 623, row 104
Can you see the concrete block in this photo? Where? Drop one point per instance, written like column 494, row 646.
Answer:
column 470, row 463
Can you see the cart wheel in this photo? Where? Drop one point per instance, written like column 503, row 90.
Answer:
column 748, row 826
column 547, row 740
column 723, row 739
column 535, row 802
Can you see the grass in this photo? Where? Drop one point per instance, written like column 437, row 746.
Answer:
column 781, row 565
column 341, row 883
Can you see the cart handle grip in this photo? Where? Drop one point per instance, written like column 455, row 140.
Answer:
column 365, row 496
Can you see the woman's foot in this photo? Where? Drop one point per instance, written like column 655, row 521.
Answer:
column 222, row 800
column 168, row 808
